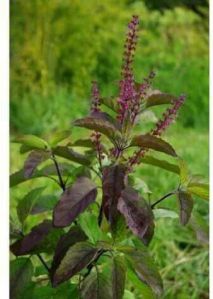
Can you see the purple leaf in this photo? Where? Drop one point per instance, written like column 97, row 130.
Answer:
column 156, row 97
column 32, row 242
column 113, row 184
column 100, row 125
column 33, row 160
column 68, row 153
column 73, row 201
column 186, row 206
column 97, row 285
column 107, row 117
column 153, row 142
column 74, row 235
column 138, row 214
column 76, row 258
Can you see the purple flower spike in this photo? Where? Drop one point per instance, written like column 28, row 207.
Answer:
column 168, row 116
column 127, row 88
column 95, row 104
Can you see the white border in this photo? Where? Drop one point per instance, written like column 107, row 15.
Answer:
column 4, row 149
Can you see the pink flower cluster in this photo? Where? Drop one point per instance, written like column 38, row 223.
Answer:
column 131, row 94
column 168, row 116
column 127, row 84
column 161, row 126
column 95, row 104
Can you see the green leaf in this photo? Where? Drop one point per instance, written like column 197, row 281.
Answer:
column 110, row 102
column 89, row 224
column 68, row 153
column 67, row 290
column 161, row 164
column 153, row 142
column 184, row 172
column 118, row 277
column 186, row 205
column 59, row 136
column 142, row 265
column 143, row 289
column 33, row 142
column 25, row 149
column 43, row 204
column 76, row 258
column 26, row 205
column 164, row 213
column 21, row 272
column 100, row 125
column 128, row 295
column 199, row 189
column 83, row 143
column 156, row 97
column 140, row 185
column 74, row 201
column 96, row 286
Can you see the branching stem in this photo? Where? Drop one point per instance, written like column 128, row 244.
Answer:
column 43, row 262
column 63, row 187
column 162, row 198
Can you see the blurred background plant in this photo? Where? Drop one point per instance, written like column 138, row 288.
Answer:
column 58, row 47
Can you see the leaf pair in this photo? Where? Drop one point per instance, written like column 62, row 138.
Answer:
column 120, row 201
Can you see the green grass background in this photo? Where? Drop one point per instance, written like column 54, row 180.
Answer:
column 59, row 47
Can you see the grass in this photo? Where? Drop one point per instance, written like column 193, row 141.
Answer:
column 182, row 260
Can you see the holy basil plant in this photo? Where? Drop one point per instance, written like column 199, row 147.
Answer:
column 92, row 228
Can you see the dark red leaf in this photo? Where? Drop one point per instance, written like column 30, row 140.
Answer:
column 76, row 258
column 156, row 97
column 73, row 201
column 100, row 125
column 107, row 117
column 68, row 153
column 153, row 142
column 33, row 160
column 186, row 206
column 31, row 242
column 138, row 214
column 74, row 235
column 97, row 285
column 113, row 184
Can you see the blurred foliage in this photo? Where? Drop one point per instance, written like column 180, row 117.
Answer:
column 200, row 7
column 58, row 47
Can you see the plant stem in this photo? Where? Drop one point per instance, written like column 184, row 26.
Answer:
column 93, row 263
column 162, row 198
column 100, row 216
column 58, row 172
column 43, row 262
